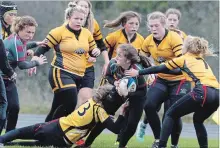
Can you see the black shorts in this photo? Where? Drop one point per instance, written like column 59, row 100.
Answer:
column 88, row 79
column 50, row 133
column 61, row 80
column 173, row 88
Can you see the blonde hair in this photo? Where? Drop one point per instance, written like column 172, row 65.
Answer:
column 89, row 23
column 102, row 92
column 21, row 22
column 70, row 10
column 157, row 15
column 173, row 11
column 122, row 19
column 132, row 54
column 197, row 46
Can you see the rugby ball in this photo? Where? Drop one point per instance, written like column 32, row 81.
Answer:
column 126, row 85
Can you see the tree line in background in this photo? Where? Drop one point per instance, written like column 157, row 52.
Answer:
column 199, row 18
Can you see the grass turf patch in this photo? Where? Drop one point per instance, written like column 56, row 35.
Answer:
column 107, row 141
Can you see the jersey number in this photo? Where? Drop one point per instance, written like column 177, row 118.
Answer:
column 84, row 110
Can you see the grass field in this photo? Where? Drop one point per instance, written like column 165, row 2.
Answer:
column 107, row 141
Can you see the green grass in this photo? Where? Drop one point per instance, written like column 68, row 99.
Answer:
column 107, row 141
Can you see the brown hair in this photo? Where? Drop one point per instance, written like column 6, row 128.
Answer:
column 122, row 19
column 89, row 24
column 102, row 92
column 21, row 22
column 132, row 54
column 197, row 46
column 173, row 11
column 157, row 15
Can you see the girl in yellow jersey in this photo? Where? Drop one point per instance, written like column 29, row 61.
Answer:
column 71, row 44
column 163, row 45
column 90, row 23
column 130, row 22
column 65, row 131
column 203, row 100
column 173, row 18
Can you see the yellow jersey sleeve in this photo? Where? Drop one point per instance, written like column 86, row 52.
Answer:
column 144, row 48
column 102, row 115
column 175, row 63
column 92, row 43
column 176, row 44
column 97, row 34
column 110, row 40
column 54, row 37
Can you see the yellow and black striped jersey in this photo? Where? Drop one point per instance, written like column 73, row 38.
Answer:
column 169, row 48
column 80, row 122
column 5, row 33
column 70, row 48
column 195, row 69
column 180, row 32
column 114, row 39
column 97, row 35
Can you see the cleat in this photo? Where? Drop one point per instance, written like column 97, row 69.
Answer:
column 141, row 132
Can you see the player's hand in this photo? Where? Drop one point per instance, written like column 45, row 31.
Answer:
column 124, row 108
column 13, row 77
column 96, row 52
column 131, row 73
column 41, row 60
column 104, row 69
column 30, row 53
column 91, row 60
column 31, row 71
column 42, row 43
column 116, row 83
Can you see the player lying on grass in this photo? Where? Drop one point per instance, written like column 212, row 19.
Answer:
column 65, row 131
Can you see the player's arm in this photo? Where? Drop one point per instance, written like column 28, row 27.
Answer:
column 27, row 64
column 94, row 133
column 4, row 64
column 108, row 122
column 53, row 39
column 159, row 69
column 116, row 126
column 144, row 48
column 112, row 66
column 177, row 44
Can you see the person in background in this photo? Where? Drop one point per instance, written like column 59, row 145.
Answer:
column 172, row 22
column 8, row 12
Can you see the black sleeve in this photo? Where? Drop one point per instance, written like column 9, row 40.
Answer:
column 41, row 50
column 116, row 126
column 159, row 69
column 109, row 75
column 94, row 133
column 4, row 64
column 27, row 64
column 31, row 45
column 101, row 45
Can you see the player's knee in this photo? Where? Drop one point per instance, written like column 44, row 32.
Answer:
column 150, row 106
column 197, row 119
